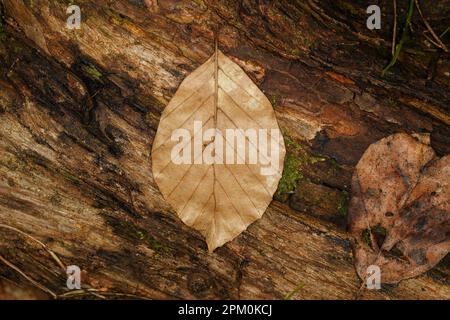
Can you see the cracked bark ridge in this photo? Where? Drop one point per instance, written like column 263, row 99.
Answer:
column 400, row 210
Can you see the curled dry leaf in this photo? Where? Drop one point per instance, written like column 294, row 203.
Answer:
column 218, row 184
column 400, row 210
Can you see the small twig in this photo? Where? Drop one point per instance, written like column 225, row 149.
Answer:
column 436, row 38
column 293, row 292
column 52, row 254
column 431, row 40
column 12, row 65
column 445, row 32
column 23, row 274
column 399, row 46
column 74, row 293
column 95, row 292
column 80, row 292
column 394, row 33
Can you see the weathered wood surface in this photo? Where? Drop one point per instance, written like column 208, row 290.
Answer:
column 79, row 110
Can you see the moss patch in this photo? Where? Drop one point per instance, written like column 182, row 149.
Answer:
column 342, row 206
column 319, row 200
column 275, row 100
column 130, row 231
column 92, row 72
column 151, row 241
column 297, row 156
column 291, row 175
column 378, row 232
column 366, row 237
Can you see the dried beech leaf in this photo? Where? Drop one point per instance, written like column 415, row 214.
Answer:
column 400, row 209
column 219, row 200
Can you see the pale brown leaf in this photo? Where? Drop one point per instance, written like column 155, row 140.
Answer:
column 219, row 200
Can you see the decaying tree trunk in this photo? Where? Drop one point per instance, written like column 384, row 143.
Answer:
column 79, row 110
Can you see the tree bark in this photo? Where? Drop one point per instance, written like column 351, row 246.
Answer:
column 79, row 110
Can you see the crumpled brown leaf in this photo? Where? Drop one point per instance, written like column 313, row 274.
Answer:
column 400, row 210
column 219, row 200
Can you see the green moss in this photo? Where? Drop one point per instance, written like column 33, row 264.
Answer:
column 366, row 237
column 129, row 230
column 342, row 206
column 275, row 100
column 17, row 48
column 300, row 151
column 296, row 158
column 333, row 165
column 151, row 241
column 291, row 175
column 378, row 232
column 288, row 141
column 92, row 72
